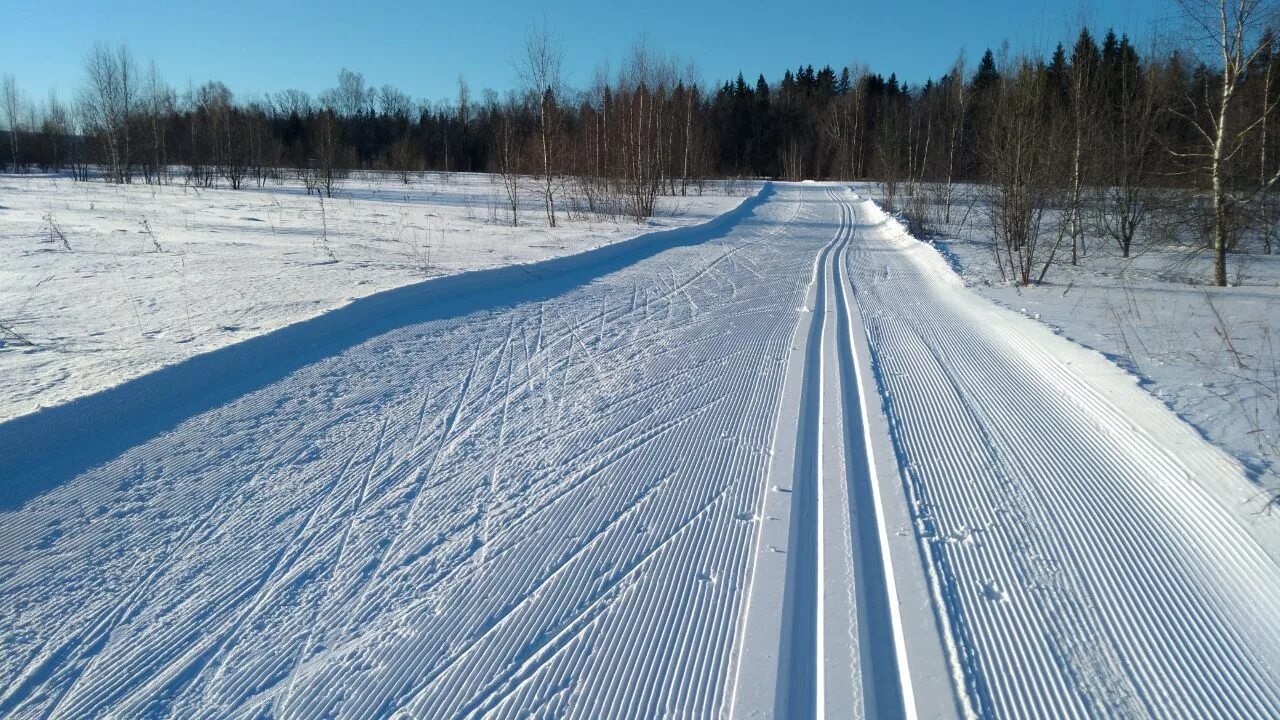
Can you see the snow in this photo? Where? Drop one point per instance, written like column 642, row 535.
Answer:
column 1120, row 565
column 824, row 634
column 157, row 274
column 781, row 462
column 1211, row 354
column 487, row 503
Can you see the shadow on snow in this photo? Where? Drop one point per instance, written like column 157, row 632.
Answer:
column 42, row 450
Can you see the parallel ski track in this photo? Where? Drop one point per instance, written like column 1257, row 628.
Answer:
column 546, row 509
column 553, row 508
column 839, row 648
column 1083, row 570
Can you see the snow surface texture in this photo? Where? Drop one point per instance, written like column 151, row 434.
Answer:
column 1211, row 354
column 1094, row 555
column 824, row 634
column 538, row 498
column 620, row 483
column 157, row 274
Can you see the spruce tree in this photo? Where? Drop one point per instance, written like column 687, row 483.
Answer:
column 986, row 76
column 1056, row 76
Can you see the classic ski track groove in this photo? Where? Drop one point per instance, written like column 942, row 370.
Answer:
column 798, row 444
column 833, row 656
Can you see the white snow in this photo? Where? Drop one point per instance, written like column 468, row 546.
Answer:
column 1123, row 567
column 784, row 462
column 235, row 264
column 506, row 498
column 1211, row 354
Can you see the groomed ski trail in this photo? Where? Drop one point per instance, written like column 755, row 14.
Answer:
column 1093, row 556
column 784, row 465
column 534, row 499
column 823, row 632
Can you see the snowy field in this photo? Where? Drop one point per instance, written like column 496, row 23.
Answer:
column 782, row 463
column 1211, row 354
column 101, row 283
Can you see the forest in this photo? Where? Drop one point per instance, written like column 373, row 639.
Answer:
column 1132, row 135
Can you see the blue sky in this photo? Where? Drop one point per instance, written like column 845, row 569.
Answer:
column 422, row 47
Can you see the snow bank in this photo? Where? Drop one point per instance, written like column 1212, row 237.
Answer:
column 45, row 447
column 1212, row 355
column 149, row 276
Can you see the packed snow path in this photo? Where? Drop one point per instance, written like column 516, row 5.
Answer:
column 1093, row 555
column 659, row 483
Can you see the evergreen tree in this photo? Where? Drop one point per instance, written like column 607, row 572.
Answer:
column 986, row 77
column 826, row 82
column 1056, row 76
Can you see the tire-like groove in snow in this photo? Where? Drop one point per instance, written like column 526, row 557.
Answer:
column 822, row 633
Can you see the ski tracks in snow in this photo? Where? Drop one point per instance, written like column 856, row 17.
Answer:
column 1092, row 555
column 823, row 633
column 791, row 469
column 539, row 508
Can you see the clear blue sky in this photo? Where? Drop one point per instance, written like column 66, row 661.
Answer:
column 422, row 47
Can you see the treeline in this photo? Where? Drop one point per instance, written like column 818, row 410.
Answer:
column 1097, row 125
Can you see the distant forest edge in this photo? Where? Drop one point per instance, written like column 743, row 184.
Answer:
column 1096, row 121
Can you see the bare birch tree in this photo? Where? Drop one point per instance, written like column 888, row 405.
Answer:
column 540, row 74
column 1268, row 60
column 1130, row 144
column 351, row 97
column 1020, row 149
column 689, row 85
column 56, row 130
column 12, row 104
column 506, row 154
column 158, row 105
column 957, row 113
column 107, row 103
column 1230, row 30
column 1082, row 98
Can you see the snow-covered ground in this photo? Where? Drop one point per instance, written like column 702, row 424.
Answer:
column 1211, row 354
column 108, row 282
column 535, row 498
column 783, row 463
column 1094, row 556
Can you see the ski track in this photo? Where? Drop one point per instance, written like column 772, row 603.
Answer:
column 539, row 506
column 661, row 493
column 823, row 640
